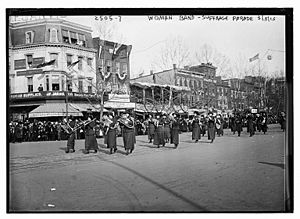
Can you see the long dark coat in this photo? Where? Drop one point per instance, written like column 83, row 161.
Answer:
column 264, row 125
column 112, row 135
column 232, row 124
column 250, row 125
column 90, row 137
column 167, row 130
column 159, row 134
column 71, row 138
column 239, row 124
column 151, row 129
column 129, row 136
column 211, row 129
column 196, row 130
column 175, row 129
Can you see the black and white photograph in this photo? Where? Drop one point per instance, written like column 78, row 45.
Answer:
column 149, row 110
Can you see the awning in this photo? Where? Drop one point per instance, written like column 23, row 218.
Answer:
column 119, row 105
column 54, row 110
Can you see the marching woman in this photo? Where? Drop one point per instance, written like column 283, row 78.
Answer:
column 90, row 137
column 196, row 128
column 111, row 133
column 167, row 131
column 239, row 124
column 71, row 138
column 218, row 125
column 159, row 135
column 250, row 124
column 151, row 128
column 175, row 129
column 264, row 125
column 127, row 123
column 211, row 127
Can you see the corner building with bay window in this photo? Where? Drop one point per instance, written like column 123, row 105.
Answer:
column 36, row 91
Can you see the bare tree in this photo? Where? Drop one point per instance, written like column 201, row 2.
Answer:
column 208, row 54
column 174, row 51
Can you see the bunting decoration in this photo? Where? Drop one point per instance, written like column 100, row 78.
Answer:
column 254, row 58
column 46, row 63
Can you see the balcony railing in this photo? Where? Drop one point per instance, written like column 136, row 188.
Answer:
column 51, row 94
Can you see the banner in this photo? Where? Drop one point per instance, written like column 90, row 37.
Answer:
column 20, row 64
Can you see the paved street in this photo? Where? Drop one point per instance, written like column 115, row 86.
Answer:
column 232, row 174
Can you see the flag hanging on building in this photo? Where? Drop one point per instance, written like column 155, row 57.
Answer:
column 254, row 58
column 73, row 64
column 46, row 63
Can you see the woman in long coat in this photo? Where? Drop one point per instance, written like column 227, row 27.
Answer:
column 159, row 135
column 151, row 129
column 111, row 134
column 175, row 130
column 211, row 128
column 90, row 137
column 167, row 130
column 196, row 128
column 128, row 133
column 250, row 124
column 239, row 124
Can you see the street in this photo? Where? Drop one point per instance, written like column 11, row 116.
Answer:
column 232, row 174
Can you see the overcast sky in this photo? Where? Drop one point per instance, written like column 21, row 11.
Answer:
column 231, row 38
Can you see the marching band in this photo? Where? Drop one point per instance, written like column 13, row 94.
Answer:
column 161, row 130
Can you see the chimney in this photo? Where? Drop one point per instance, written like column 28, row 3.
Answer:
column 151, row 72
column 174, row 66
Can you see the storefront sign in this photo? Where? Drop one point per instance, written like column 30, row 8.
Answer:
column 253, row 110
column 119, row 105
column 20, row 64
column 30, row 72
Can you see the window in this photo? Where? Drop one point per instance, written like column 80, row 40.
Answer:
column 80, row 63
column 62, row 83
column 47, row 83
column 69, row 59
column 90, row 86
column 53, row 35
column 185, row 82
column 29, row 37
column 195, row 84
column 73, row 37
column 30, row 84
column 180, row 81
column 108, row 65
column 29, row 61
column 55, row 82
column 81, row 41
column 118, row 67
column 65, row 36
column 89, row 62
column 80, row 86
column 54, row 56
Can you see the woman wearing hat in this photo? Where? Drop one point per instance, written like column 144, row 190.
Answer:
column 90, row 136
column 128, row 132
column 211, row 124
column 159, row 135
column 196, row 128
column 151, row 128
column 175, row 129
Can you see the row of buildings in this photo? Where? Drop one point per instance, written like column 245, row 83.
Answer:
column 56, row 68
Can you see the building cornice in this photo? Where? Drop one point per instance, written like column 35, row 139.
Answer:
column 38, row 22
column 35, row 45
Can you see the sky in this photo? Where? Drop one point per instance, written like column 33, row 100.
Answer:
column 231, row 37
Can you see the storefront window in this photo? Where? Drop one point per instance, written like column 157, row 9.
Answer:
column 30, row 84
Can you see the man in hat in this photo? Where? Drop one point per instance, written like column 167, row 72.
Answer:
column 196, row 127
column 71, row 135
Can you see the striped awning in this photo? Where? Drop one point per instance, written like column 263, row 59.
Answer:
column 54, row 110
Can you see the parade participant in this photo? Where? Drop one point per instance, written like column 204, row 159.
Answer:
column 127, row 124
column 111, row 133
column 19, row 132
column 196, row 127
column 218, row 125
column 211, row 127
column 264, row 125
column 35, row 130
column 239, row 124
column 159, row 135
column 282, row 121
column 203, row 126
column 175, row 123
column 151, row 128
column 232, row 123
column 71, row 135
column 250, row 124
column 167, row 131
column 258, row 122
column 90, row 136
